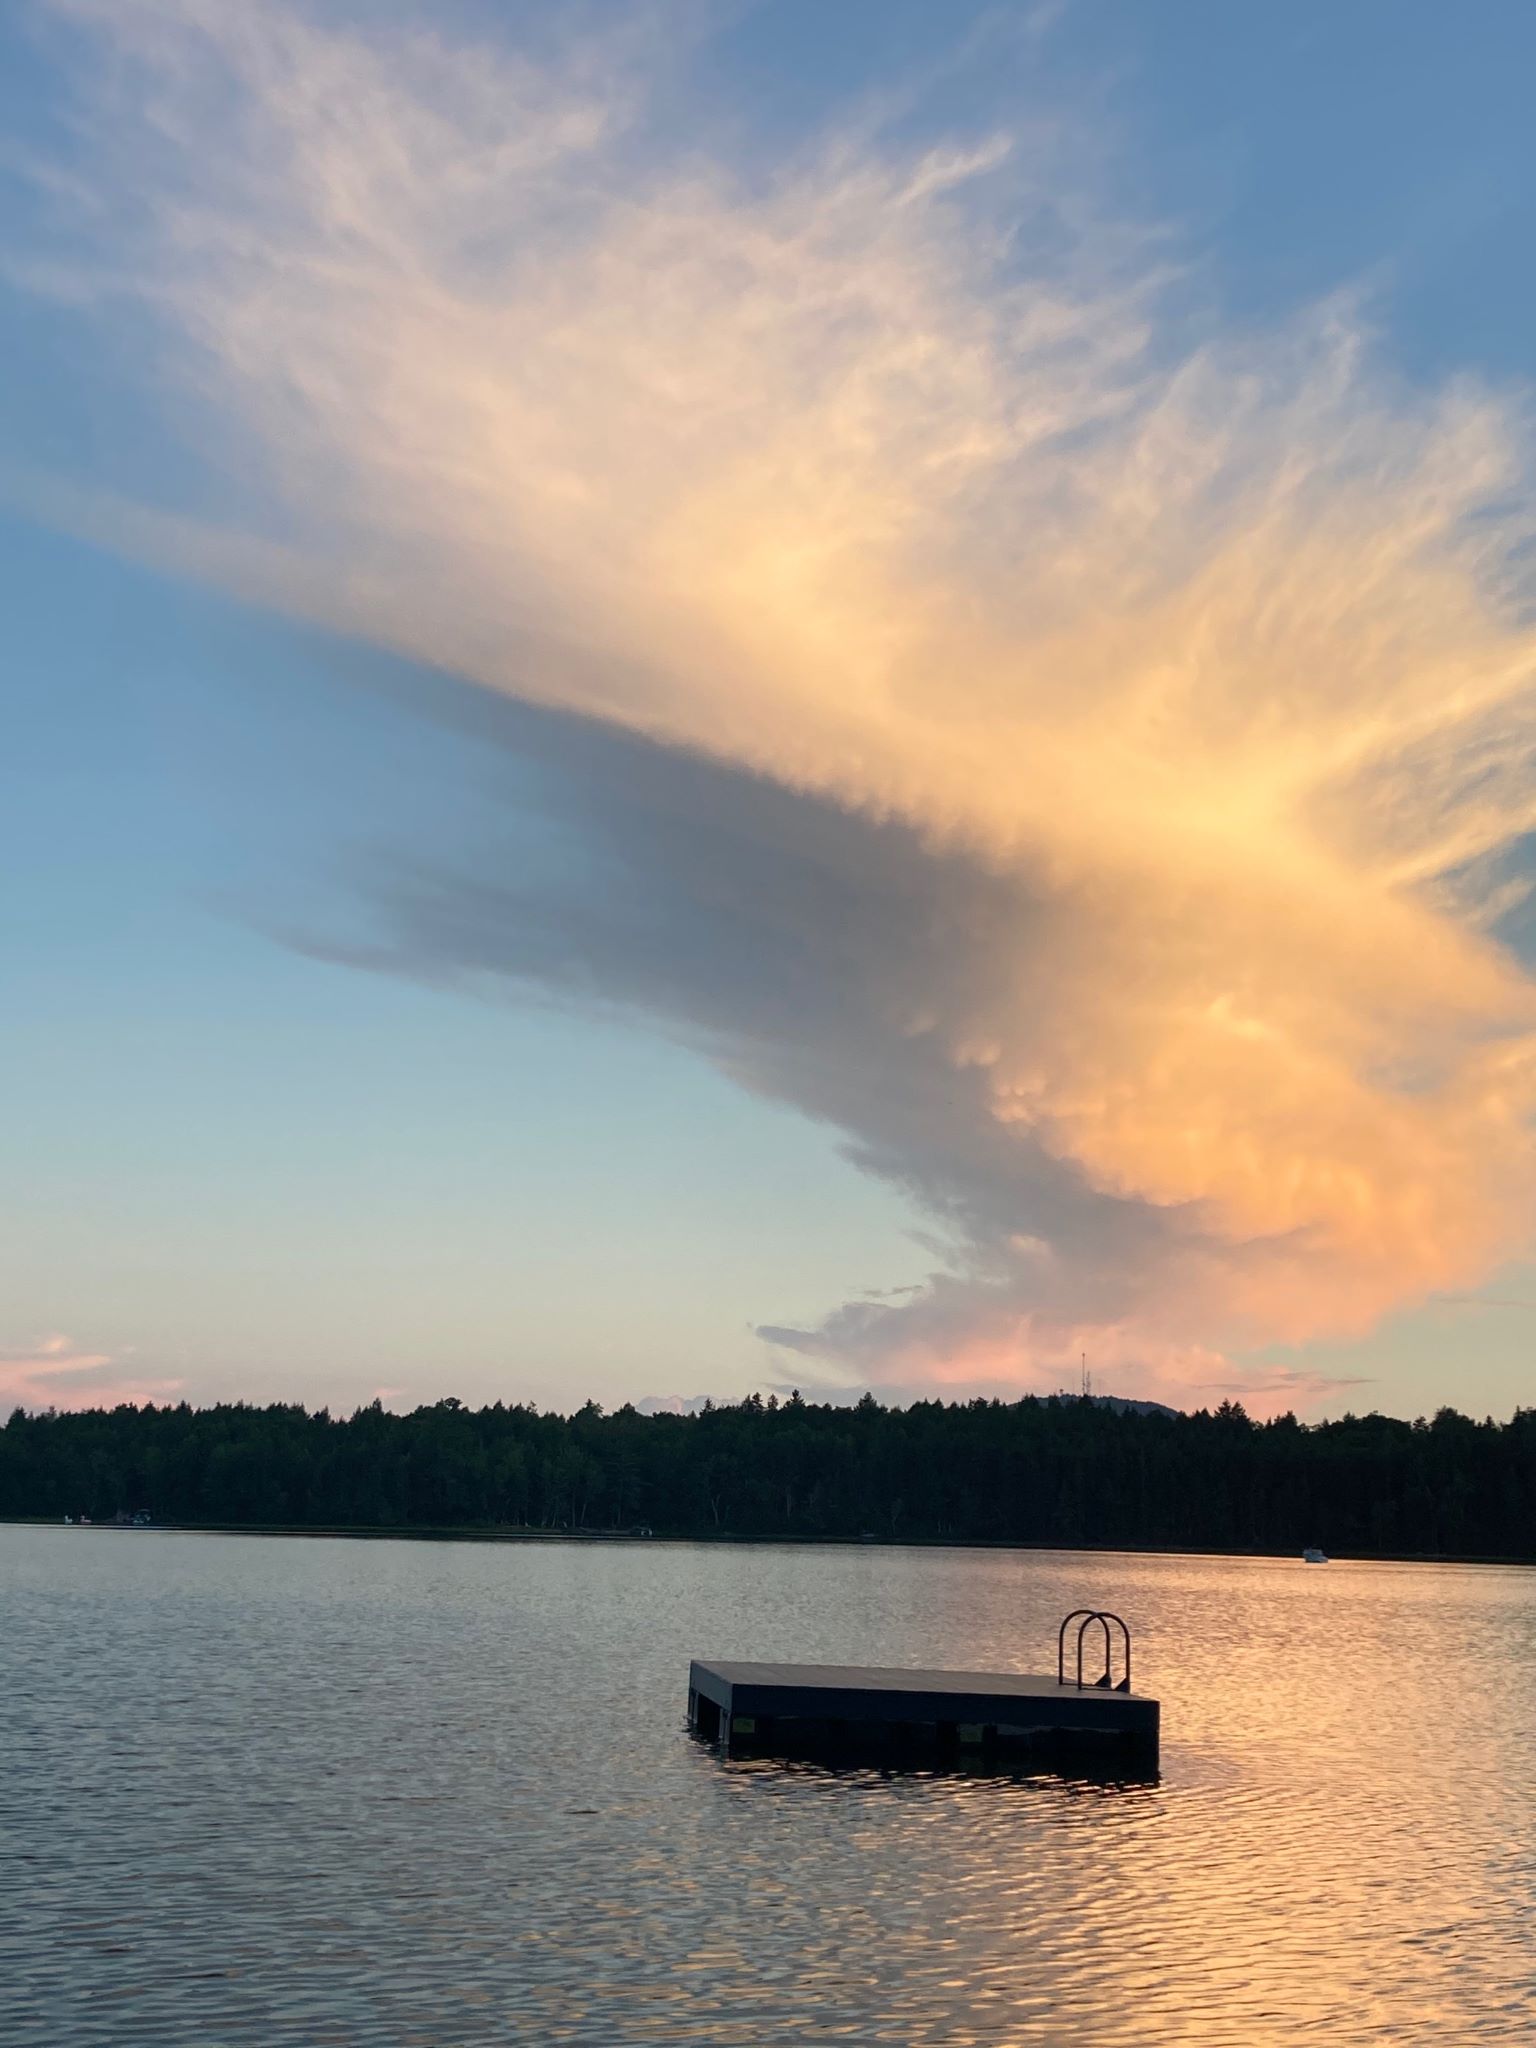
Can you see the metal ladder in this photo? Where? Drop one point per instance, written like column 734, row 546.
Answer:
column 1085, row 1617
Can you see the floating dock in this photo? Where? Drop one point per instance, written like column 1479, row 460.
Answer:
column 924, row 1716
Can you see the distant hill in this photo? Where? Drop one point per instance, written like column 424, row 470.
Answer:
column 1118, row 1404
column 695, row 1404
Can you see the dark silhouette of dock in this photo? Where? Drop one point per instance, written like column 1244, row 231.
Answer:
column 892, row 1715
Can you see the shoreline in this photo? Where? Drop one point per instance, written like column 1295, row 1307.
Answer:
column 511, row 1534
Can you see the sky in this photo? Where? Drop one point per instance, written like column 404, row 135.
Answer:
column 719, row 697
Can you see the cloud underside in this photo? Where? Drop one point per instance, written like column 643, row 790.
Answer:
column 1086, row 768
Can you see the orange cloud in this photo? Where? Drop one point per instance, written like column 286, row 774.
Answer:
column 1210, row 659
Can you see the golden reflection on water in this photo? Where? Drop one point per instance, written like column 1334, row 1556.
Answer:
column 370, row 1794
column 1326, row 1855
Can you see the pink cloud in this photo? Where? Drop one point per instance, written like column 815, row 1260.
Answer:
column 54, row 1373
column 919, row 1350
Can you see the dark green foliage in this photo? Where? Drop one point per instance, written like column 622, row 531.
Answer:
column 1058, row 1471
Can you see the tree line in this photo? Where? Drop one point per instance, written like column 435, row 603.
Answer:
column 1055, row 1471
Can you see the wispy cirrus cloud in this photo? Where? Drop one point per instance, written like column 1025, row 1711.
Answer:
column 1118, row 745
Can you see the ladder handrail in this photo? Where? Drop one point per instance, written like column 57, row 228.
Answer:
column 1061, row 1641
column 1085, row 1617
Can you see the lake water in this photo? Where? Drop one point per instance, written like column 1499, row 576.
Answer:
column 437, row 1795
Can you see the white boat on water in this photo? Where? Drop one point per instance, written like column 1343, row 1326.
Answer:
column 1311, row 1556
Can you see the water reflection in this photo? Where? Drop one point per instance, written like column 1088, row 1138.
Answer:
column 440, row 1795
column 1080, row 1776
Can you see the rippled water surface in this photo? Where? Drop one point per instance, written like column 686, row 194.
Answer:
column 326, row 1792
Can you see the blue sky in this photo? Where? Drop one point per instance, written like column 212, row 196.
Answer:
column 275, row 1176
column 366, row 1029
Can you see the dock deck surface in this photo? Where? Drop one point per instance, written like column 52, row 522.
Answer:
column 895, row 1678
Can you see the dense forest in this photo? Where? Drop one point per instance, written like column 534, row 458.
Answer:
column 1057, row 1471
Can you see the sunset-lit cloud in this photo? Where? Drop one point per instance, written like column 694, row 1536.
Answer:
column 1122, row 743
column 55, row 1373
